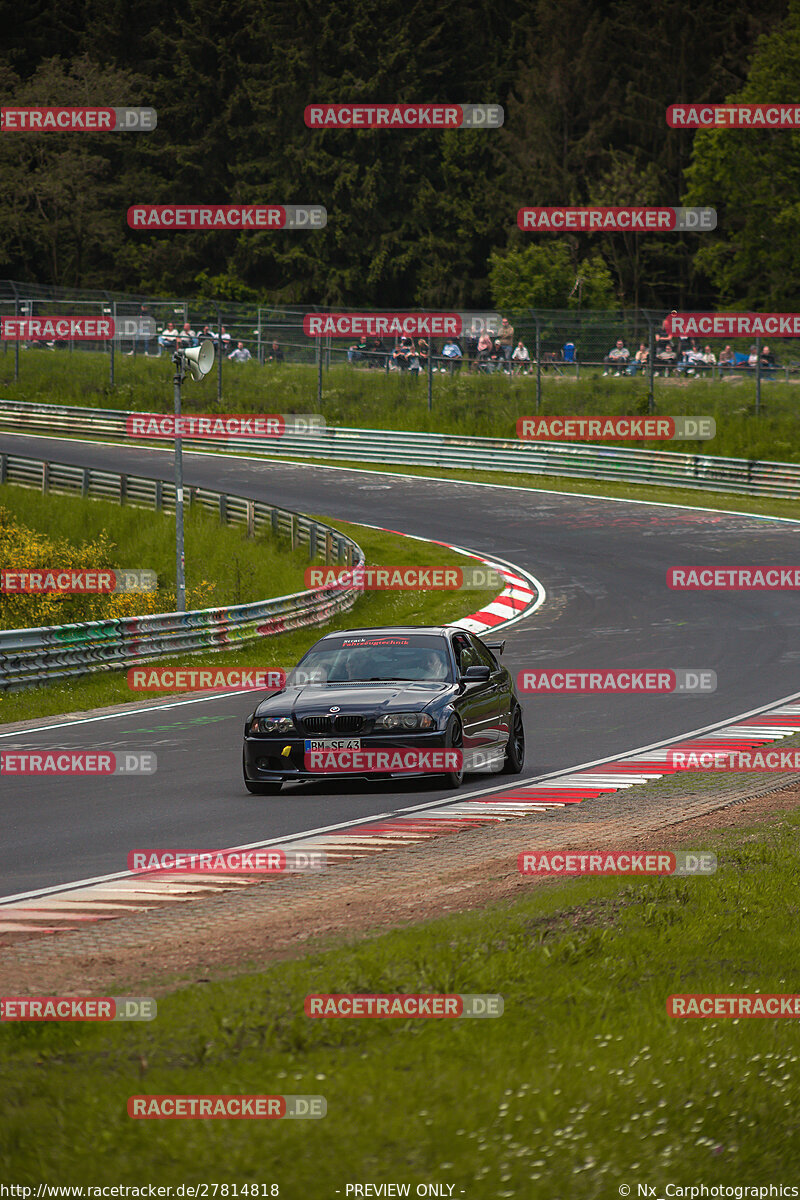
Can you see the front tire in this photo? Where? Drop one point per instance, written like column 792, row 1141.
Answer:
column 454, row 740
column 514, row 759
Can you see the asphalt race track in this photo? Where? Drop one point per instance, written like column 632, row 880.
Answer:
column 603, row 565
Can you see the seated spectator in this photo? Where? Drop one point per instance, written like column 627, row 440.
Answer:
column 225, row 339
column 521, row 359
column 206, row 335
column 402, row 354
column 472, row 348
column 617, row 357
column 168, row 337
column 377, row 353
column 276, row 353
column 709, row 358
column 752, row 358
column 452, row 352
column 640, row 359
column 188, row 336
column 727, row 358
column 496, row 357
column 355, row 353
column 423, row 351
column 691, row 360
column 665, row 353
column 240, row 354
column 767, row 357
column 484, row 348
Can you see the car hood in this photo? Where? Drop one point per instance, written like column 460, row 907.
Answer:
column 354, row 698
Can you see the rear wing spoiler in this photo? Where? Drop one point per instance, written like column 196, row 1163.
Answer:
column 499, row 647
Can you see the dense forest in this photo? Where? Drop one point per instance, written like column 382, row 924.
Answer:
column 414, row 219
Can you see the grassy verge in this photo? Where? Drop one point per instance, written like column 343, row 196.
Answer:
column 464, row 404
column 240, row 568
column 280, row 650
column 582, row 1087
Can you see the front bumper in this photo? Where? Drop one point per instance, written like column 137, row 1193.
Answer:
column 266, row 762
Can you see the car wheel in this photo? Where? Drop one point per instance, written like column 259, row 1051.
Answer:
column 514, row 759
column 259, row 789
column 454, row 740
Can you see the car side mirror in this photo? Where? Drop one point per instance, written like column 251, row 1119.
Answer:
column 476, row 674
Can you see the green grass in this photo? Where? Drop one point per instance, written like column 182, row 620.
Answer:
column 242, row 568
column 281, row 650
column 582, row 1086
column 464, row 404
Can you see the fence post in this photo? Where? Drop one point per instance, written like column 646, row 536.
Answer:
column 430, row 374
column 16, row 343
column 319, row 373
column 538, row 366
column 758, row 376
column 111, row 359
column 651, row 368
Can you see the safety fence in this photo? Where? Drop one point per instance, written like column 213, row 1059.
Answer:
column 570, row 343
column 656, row 467
column 32, row 656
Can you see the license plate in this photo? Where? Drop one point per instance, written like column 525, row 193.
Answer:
column 333, row 744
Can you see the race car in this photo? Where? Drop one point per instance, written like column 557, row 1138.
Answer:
column 404, row 688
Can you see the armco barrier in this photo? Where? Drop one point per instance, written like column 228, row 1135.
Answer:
column 32, row 656
column 658, row 467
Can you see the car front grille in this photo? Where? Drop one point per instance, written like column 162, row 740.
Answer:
column 348, row 724
column 317, row 724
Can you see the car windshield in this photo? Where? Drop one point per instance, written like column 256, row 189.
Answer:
column 375, row 659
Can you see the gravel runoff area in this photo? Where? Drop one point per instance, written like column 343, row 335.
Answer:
column 243, row 930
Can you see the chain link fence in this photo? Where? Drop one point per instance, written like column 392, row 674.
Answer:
column 543, row 345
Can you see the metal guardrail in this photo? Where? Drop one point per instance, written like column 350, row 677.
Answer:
column 32, row 656
column 656, row 467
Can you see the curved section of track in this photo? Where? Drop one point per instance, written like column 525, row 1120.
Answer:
column 603, row 565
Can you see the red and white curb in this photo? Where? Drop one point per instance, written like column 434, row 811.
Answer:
column 74, row 906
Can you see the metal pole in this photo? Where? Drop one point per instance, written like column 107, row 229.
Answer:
column 430, row 374
column 16, row 344
column 319, row 373
column 180, row 559
column 219, row 353
column 113, row 342
column 758, row 376
column 651, row 367
column 538, row 367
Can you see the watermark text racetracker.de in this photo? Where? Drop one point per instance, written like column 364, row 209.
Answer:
column 734, row 579
column 405, row 578
column 227, row 862
column 77, row 120
column 63, row 761
column 230, row 1107
column 216, row 425
column 400, row 1005
column 68, row 582
column 618, row 681
column 617, row 862
column 63, row 328
column 432, row 116
column 629, row 219
column 78, row 1008
column 616, row 429
column 215, row 217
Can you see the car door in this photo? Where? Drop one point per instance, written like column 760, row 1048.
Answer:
column 473, row 703
column 500, row 695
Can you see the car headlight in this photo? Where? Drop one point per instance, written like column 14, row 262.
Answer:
column 272, row 725
column 404, row 721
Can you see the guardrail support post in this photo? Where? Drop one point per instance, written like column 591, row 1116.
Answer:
column 123, row 488
column 538, row 365
column 3, row 468
column 273, row 512
column 292, row 531
column 223, row 508
column 251, row 518
column 45, row 476
column 328, row 547
column 758, row 376
column 85, row 482
column 312, row 541
column 159, row 495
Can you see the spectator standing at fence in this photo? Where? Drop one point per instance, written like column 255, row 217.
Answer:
column 472, row 348
column 276, row 353
column 727, row 358
column 505, row 337
column 355, row 353
column 240, row 354
column 423, row 351
column 377, row 353
column 617, row 357
column 521, row 359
